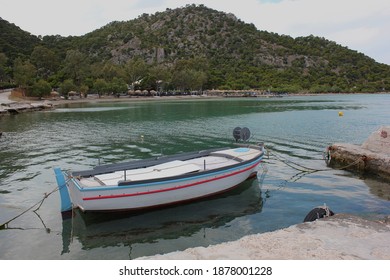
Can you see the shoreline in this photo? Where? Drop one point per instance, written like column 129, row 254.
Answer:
column 10, row 103
column 129, row 99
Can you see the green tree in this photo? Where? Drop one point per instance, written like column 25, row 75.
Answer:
column 117, row 86
column 76, row 66
column 160, row 77
column 67, row 86
column 135, row 71
column 196, row 63
column 110, row 70
column 41, row 88
column 100, row 86
column 24, row 72
column 84, row 90
column 3, row 68
column 45, row 60
column 189, row 80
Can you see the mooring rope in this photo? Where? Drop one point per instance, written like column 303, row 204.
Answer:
column 46, row 195
column 294, row 165
column 302, row 168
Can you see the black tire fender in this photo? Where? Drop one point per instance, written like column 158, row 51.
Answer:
column 318, row 213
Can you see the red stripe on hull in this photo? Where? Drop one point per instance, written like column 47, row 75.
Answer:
column 171, row 189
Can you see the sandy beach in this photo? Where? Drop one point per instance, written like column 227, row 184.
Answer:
column 6, row 99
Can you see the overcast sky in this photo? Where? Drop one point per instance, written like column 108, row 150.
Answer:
column 361, row 25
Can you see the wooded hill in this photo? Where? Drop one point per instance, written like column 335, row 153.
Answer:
column 186, row 49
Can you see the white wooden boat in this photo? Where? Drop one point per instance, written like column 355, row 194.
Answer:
column 159, row 181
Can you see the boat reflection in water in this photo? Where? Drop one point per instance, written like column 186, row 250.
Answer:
column 95, row 230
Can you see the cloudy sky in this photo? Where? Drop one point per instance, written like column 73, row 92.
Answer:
column 360, row 25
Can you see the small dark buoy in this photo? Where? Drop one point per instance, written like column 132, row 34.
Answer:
column 318, row 213
column 237, row 133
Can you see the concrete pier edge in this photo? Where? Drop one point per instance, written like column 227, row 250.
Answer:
column 339, row 237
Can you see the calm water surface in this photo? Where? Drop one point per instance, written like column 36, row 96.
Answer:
column 297, row 129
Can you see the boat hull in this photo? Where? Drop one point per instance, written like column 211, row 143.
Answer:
column 145, row 195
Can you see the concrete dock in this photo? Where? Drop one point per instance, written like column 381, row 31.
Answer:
column 339, row 237
column 371, row 158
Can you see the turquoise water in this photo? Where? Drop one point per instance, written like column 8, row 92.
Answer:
column 297, row 129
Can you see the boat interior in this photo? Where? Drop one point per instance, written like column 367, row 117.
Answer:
column 164, row 167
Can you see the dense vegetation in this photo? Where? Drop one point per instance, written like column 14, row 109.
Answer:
column 186, row 49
